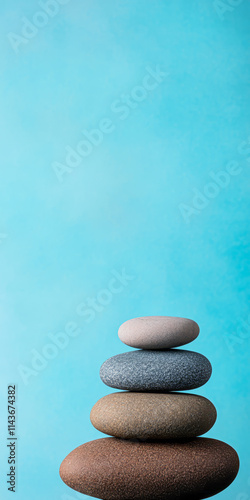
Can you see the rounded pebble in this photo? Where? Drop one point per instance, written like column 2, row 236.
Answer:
column 153, row 416
column 158, row 332
column 116, row 469
column 164, row 371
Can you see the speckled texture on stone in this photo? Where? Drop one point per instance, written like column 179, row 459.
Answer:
column 116, row 469
column 153, row 416
column 158, row 332
column 170, row 370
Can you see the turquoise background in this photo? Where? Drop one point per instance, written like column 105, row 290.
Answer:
column 120, row 210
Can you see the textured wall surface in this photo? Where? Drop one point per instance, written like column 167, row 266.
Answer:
column 147, row 215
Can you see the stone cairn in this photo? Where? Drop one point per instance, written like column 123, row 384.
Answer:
column 155, row 452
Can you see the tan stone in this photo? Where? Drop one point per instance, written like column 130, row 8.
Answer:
column 153, row 415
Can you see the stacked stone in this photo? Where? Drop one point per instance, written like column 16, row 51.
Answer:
column 155, row 452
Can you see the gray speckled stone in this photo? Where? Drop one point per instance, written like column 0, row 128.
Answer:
column 170, row 370
column 158, row 332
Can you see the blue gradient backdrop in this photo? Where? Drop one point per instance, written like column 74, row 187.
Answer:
column 120, row 210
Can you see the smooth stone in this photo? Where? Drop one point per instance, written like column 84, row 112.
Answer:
column 117, row 469
column 158, row 332
column 153, row 416
column 164, row 371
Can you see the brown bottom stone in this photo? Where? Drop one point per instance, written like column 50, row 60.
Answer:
column 117, row 469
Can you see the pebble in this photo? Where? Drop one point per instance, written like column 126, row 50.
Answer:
column 158, row 332
column 153, row 416
column 164, row 371
column 117, row 469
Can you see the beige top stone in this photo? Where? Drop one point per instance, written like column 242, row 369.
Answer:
column 158, row 332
